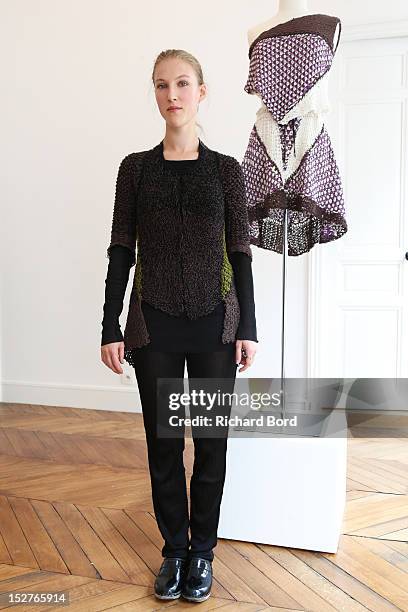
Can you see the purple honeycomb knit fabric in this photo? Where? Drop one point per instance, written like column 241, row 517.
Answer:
column 289, row 162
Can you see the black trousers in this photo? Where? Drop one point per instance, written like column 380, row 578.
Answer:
column 165, row 454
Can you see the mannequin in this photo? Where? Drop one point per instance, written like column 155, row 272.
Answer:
column 288, row 9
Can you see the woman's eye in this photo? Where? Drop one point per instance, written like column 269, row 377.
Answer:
column 160, row 84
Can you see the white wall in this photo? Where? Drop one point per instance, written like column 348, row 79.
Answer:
column 78, row 97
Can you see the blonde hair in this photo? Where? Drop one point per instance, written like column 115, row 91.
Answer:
column 186, row 57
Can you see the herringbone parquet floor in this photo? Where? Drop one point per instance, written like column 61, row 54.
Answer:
column 76, row 516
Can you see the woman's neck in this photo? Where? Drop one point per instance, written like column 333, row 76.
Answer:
column 180, row 148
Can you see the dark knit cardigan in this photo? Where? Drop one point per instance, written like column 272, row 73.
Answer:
column 184, row 229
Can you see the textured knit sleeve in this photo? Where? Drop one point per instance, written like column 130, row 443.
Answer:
column 236, row 212
column 124, row 212
column 242, row 267
column 115, row 288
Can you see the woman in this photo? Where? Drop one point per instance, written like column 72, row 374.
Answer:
column 192, row 302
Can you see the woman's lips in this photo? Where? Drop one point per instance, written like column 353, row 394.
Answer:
column 172, row 110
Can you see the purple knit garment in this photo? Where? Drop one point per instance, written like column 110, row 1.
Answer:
column 289, row 162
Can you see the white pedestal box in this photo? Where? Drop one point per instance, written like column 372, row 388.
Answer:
column 287, row 491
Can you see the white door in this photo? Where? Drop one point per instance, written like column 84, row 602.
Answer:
column 359, row 283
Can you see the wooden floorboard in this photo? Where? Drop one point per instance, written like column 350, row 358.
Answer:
column 76, row 516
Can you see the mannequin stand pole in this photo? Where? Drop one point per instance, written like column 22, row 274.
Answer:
column 284, row 253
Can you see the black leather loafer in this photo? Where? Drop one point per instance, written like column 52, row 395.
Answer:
column 198, row 580
column 169, row 580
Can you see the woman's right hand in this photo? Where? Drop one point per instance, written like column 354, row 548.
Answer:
column 112, row 355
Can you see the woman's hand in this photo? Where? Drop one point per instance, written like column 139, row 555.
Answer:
column 245, row 351
column 112, row 355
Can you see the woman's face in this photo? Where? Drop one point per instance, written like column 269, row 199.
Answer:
column 176, row 86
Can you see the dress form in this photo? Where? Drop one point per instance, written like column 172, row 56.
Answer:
column 288, row 10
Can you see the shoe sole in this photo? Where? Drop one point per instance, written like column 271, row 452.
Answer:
column 167, row 596
column 198, row 600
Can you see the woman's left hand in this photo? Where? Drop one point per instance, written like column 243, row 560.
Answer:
column 245, row 351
